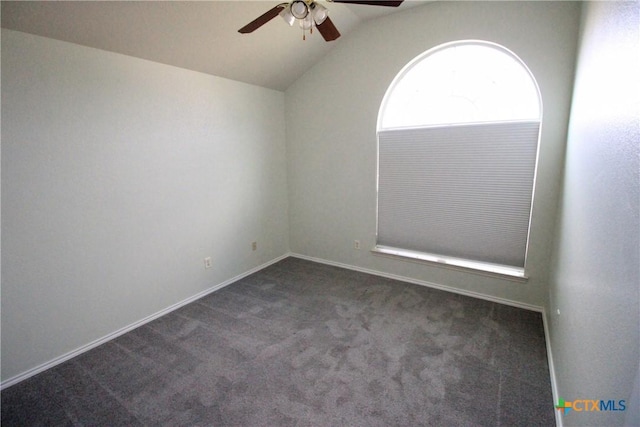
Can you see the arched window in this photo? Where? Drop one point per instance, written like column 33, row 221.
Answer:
column 458, row 134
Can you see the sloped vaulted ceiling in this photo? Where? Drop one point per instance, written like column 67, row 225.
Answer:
column 197, row 35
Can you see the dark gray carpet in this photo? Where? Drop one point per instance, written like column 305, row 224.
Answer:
column 305, row 344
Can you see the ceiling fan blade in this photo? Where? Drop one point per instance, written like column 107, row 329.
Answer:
column 328, row 30
column 372, row 2
column 262, row 19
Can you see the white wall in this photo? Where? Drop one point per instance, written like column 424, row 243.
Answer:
column 119, row 176
column 595, row 339
column 331, row 115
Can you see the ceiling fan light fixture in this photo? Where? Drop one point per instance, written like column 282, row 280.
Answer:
column 319, row 13
column 287, row 16
column 306, row 23
column 299, row 9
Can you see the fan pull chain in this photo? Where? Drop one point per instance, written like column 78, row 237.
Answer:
column 304, row 32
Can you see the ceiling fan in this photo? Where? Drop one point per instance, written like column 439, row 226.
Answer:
column 309, row 14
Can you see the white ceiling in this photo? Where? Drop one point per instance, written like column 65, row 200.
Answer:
column 197, row 35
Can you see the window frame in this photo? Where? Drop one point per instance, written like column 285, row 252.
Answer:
column 480, row 267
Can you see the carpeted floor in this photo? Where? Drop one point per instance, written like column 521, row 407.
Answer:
column 305, row 344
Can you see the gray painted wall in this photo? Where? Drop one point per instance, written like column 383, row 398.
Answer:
column 119, row 176
column 595, row 283
column 331, row 115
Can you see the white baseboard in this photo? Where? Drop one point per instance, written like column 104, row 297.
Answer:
column 423, row 283
column 552, row 370
column 50, row 364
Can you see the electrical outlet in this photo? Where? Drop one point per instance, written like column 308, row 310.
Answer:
column 356, row 244
column 254, row 246
column 207, row 262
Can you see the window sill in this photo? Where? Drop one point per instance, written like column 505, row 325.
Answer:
column 487, row 269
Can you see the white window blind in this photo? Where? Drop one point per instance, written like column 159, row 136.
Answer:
column 462, row 191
